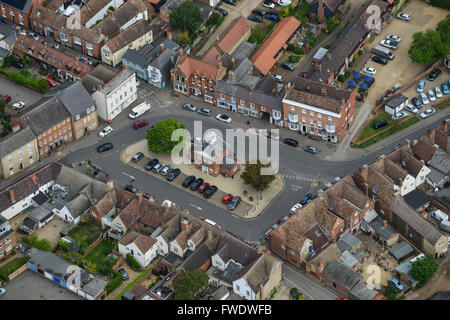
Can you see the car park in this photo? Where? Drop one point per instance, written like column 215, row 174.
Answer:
column 278, row 78
column 288, row 66
column 370, row 70
column 222, row 11
column 396, row 283
column 124, row 274
column 411, row 108
column 404, row 16
column 394, row 38
column 431, row 95
column 205, row 112
column 131, row 188
column 197, row 183
column 151, row 164
column 290, row 142
column 140, row 123
column 51, row 82
column 389, row 44
column 416, row 102
column 427, row 113
column 400, row 115
column 438, row 92
column 306, row 199
column 158, row 167
column 268, row 4
column 209, row 192
column 203, row 187
column 421, row 86
column 232, row 2
column 224, row 118
column 6, row 98
column 272, row 11
column 104, row 147
column 18, row 105
column 190, row 107
column 227, row 198
column 379, row 124
column 138, row 156
column 258, row 12
column 106, row 131
column 379, row 60
column 188, row 181
column 311, row 149
column 173, row 174
column 434, row 74
column 444, row 87
column 166, row 169
column 234, row 203
column 294, row 208
column 424, row 98
column 255, row 18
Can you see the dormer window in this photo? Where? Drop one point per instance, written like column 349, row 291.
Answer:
column 77, row 117
column 92, row 108
column 88, row 110
column 195, row 76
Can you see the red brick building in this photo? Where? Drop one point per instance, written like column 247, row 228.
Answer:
column 17, row 11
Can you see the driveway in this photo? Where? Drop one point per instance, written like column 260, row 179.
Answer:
column 32, row 286
column 17, row 92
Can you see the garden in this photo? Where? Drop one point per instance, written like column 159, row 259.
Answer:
column 12, row 266
column 24, row 76
column 85, row 233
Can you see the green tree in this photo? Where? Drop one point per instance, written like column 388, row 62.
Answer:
column 190, row 283
column 429, row 47
column 159, row 137
column 186, row 16
column 183, row 38
column 423, row 268
column 89, row 266
column 443, row 28
column 252, row 176
column 441, row 3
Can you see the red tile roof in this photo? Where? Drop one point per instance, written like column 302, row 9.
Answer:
column 233, row 33
column 191, row 66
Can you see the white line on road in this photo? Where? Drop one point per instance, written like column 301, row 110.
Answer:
column 196, row 207
column 128, row 175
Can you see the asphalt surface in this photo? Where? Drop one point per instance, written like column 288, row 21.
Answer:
column 18, row 93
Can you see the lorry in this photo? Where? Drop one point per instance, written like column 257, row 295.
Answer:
column 383, row 52
column 139, row 110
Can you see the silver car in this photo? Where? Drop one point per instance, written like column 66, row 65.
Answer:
column 166, row 169
column 438, row 92
column 431, row 95
column 427, row 113
column 424, row 98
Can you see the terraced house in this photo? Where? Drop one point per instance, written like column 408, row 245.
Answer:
column 17, row 11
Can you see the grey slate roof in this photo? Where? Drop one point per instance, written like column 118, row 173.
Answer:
column 350, row 240
column 21, row 5
column 339, row 273
column 165, row 62
column 198, row 258
column 414, row 221
column 136, row 58
column 101, row 75
column 362, row 292
column 40, row 198
column 384, row 232
column 3, row 53
column 117, row 82
column 243, row 50
column 50, row 262
column 441, row 161
column 94, row 286
column 401, row 250
column 416, row 199
column 82, row 102
column 14, row 141
column 348, row 259
column 436, row 176
column 45, row 114
column 396, row 101
column 220, row 293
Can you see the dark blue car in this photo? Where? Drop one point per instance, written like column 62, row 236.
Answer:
column 416, row 102
column 306, row 198
column 271, row 17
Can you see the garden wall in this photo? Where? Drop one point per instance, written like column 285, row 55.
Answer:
column 18, row 271
column 93, row 245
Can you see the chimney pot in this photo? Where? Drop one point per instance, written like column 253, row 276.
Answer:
column 109, row 185
column 140, row 197
column 384, row 223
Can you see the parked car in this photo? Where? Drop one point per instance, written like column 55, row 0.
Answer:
column 272, row 17
column 158, row 167
column 282, row 219
column 18, row 105
column 151, row 164
column 2, row 291
column 400, row 115
column 438, row 92
column 138, row 156
column 306, row 199
column 431, row 95
column 17, row 64
column 394, row 38
column 427, row 113
column 396, row 283
column 278, row 78
column 288, row 66
column 270, row 230
column 416, row 102
column 404, row 16
column 6, row 98
column 311, row 149
column 228, row 197
column 389, row 44
column 284, row 3
column 107, row 130
column 380, row 123
column 234, row 203
column 379, row 60
column 205, row 112
column 272, row 135
column 421, row 86
column 294, row 208
column 411, row 108
column 258, row 12
column 173, row 174
column 370, row 70
column 232, row 2
column 222, row 11
column 189, row 107
column 209, row 192
column 51, row 82
column 272, row 11
column 104, row 147
column 188, row 181
column 203, row 187
column 444, row 87
column 131, row 188
column 268, row 4
column 149, row 197
column 124, row 274
column 166, row 169
column 424, row 98
column 255, row 18
column 434, row 74
column 197, row 183
column 445, row 225
column 290, row 142
column 140, row 123
column 223, row 118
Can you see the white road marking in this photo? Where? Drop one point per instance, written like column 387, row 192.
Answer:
column 196, row 207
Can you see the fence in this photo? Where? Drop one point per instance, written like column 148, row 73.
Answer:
column 93, row 245
column 18, row 271
column 119, row 262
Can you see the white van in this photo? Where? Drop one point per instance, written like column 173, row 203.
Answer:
column 439, row 215
column 139, row 110
column 445, row 225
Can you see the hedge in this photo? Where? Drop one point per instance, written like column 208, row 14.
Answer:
column 33, row 241
column 132, row 262
column 19, row 78
column 114, row 283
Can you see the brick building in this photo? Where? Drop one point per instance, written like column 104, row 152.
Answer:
column 7, row 237
column 17, row 11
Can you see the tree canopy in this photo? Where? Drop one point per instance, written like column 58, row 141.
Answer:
column 423, row 268
column 186, row 17
column 159, row 137
column 190, row 283
column 252, row 176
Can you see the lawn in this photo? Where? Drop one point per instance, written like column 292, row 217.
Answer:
column 89, row 231
column 369, row 130
column 99, row 253
column 393, row 129
column 260, row 32
column 12, row 266
column 443, row 104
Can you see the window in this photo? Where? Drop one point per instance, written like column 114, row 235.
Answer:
column 237, row 288
column 319, row 115
column 311, row 122
column 77, row 41
column 11, row 171
column 31, row 159
column 304, row 111
column 319, row 124
column 283, row 246
column 329, row 118
column 10, row 163
column 311, row 113
column 88, row 110
column 93, row 107
column 30, row 151
column 248, row 293
column 293, row 252
column 304, row 119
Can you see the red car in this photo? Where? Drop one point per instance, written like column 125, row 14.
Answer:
column 51, row 82
column 228, row 197
column 6, row 99
column 203, row 187
column 140, row 123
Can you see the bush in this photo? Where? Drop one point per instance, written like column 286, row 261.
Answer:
column 8, row 61
column 294, row 59
column 114, row 283
column 21, row 78
column 132, row 262
column 33, row 241
column 64, row 245
column 313, row 41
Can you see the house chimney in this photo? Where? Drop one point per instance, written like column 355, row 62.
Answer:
column 12, row 196
column 209, row 235
column 169, row 34
column 328, row 55
column 161, row 47
column 233, row 62
column 321, row 11
column 384, row 223
column 321, row 267
column 35, row 179
column 185, row 224
column 445, row 125
column 109, row 185
column 408, row 143
column 140, row 197
column 231, row 75
column 15, row 127
column 323, row 91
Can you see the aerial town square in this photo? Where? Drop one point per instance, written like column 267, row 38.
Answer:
column 224, row 150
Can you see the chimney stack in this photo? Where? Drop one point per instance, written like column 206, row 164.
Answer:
column 445, row 125
column 185, row 224
column 323, row 91
column 408, row 143
column 109, row 185
column 139, row 194
column 321, row 267
column 161, row 47
column 231, row 75
column 209, row 235
column 15, row 127
column 384, row 223
column 12, row 196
